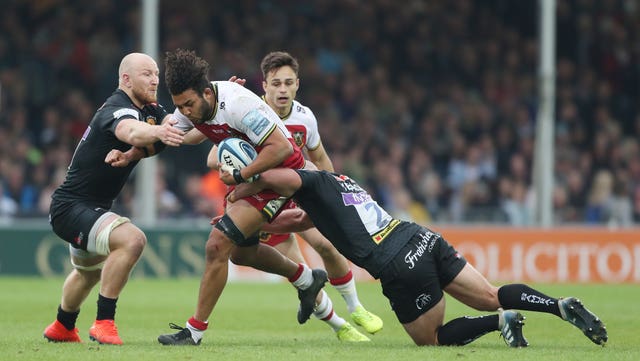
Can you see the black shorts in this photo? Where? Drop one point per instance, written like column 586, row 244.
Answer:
column 72, row 221
column 414, row 279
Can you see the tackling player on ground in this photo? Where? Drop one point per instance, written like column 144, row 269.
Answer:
column 414, row 264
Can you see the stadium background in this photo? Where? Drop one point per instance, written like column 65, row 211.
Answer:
column 430, row 104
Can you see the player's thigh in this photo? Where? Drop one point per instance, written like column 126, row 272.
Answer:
column 123, row 234
column 424, row 329
column 473, row 289
column 86, row 263
column 247, row 218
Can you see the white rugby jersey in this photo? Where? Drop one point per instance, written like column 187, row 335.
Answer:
column 303, row 126
column 239, row 113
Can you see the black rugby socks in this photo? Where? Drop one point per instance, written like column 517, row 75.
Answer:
column 523, row 297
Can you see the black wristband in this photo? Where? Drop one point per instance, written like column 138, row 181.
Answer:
column 237, row 176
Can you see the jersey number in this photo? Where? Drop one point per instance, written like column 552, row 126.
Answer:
column 373, row 217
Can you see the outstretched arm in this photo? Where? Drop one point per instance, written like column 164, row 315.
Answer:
column 284, row 181
column 288, row 221
column 141, row 134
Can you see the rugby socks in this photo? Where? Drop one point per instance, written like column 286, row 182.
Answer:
column 197, row 328
column 346, row 286
column 463, row 330
column 522, row 297
column 67, row 319
column 303, row 277
column 324, row 311
column 106, row 308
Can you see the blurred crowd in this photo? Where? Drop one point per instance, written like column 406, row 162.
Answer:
column 431, row 104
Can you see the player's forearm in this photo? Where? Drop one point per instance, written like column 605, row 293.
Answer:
column 289, row 220
column 194, row 136
column 212, row 158
column 141, row 134
column 320, row 158
column 324, row 163
column 271, row 156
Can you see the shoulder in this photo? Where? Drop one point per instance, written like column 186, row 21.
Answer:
column 233, row 96
column 119, row 105
column 301, row 110
column 301, row 114
column 230, row 89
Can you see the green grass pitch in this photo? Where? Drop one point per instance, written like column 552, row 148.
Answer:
column 258, row 322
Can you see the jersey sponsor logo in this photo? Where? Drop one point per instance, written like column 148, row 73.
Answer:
column 349, row 185
column 424, row 244
column 151, row 120
column 351, row 199
column 256, row 121
column 423, row 301
column 125, row 111
column 383, row 233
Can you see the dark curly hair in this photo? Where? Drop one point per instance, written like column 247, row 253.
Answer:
column 185, row 70
column 276, row 60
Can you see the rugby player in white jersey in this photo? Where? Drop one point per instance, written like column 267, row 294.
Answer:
column 280, row 85
column 216, row 111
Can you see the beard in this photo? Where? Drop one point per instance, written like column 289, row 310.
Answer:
column 144, row 96
column 205, row 111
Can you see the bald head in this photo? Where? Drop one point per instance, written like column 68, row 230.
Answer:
column 134, row 61
column 138, row 77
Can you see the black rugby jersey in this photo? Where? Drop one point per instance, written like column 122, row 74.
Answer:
column 347, row 215
column 89, row 178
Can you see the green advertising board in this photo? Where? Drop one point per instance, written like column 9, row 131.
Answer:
column 36, row 250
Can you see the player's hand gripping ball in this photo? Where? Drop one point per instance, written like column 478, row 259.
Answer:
column 235, row 154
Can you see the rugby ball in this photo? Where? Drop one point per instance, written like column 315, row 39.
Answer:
column 236, row 153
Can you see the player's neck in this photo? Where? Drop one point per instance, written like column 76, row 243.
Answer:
column 134, row 100
column 283, row 112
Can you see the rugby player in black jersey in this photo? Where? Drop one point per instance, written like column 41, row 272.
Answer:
column 104, row 246
column 414, row 264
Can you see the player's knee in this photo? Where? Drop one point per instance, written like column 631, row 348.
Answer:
column 90, row 277
column 425, row 340
column 241, row 257
column 137, row 243
column 488, row 299
column 218, row 247
column 325, row 250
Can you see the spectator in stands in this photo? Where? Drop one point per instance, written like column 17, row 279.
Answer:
column 481, row 82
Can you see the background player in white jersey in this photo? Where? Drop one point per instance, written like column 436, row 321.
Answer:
column 104, row 246
column 280, row 85
column 219, row 110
